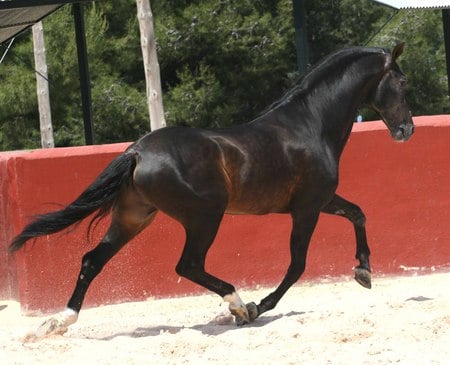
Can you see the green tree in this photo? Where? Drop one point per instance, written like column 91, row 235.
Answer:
column 359, row 22
column 19, row 119
column 222, row 62
column 332, row 25
column 118, row 90
column 423, row 60
column 119, row 109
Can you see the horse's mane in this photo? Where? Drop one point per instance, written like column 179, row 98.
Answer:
column 324, row 67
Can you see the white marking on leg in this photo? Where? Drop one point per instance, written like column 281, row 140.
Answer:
column 57, row 325
column 237, row 308
column 68, row 316
column 234, row 300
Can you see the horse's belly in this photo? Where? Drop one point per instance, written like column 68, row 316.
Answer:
column 252, row 204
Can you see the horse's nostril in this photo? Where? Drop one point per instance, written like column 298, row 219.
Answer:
column 403, row 132
column 406, row 129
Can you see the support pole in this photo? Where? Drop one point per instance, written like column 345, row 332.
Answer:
column 151, row 65
column 43, row 95
column 446, row 23
column 83, row 65
column 301, row 40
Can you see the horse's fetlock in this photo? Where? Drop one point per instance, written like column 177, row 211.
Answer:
column 267, row 304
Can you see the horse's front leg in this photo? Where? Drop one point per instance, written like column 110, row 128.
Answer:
column 342, row 207
column 303, row 227
column 201, row 227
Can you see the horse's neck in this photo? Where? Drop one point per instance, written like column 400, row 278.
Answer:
column 341, row 107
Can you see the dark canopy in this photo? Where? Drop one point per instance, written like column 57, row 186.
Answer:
column 18, row 15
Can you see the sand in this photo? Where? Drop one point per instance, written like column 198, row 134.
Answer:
column 402, row 320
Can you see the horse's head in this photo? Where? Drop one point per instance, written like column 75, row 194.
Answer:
column 389, row 101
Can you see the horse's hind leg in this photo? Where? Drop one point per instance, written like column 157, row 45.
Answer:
column 125, row 224
column 342, row 207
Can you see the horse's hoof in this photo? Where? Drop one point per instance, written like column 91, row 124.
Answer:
column 237, row 308
column 241, row 317
column 252, row 309
column 50, row 327
column 55, row 326
column 363, row 277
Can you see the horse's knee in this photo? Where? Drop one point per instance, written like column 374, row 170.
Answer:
column 357, row 216
column 349, row 210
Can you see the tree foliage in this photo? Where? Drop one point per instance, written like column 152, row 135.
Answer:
column 221, row 62
column 341, row 23
column 424, row 58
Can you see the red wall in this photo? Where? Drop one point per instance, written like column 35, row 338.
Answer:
column 404, row 189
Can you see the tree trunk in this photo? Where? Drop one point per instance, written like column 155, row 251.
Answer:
column 151, row 65
column 45, row 117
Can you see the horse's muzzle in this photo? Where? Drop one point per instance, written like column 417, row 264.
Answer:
column 403, row 132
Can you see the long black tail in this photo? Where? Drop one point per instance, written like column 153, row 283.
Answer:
column 99, row 196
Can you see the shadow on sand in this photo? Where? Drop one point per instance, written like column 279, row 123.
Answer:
column 210, row 328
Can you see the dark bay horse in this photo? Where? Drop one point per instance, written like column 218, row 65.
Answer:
column 284, row 161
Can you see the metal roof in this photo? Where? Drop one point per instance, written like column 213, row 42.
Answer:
column 18, row 15
column 416, row 4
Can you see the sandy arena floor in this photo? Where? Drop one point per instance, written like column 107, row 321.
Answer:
column 402, row 320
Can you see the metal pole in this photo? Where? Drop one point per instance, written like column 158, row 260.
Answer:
column 446, row 22
column 301, row 41
column 83, row 67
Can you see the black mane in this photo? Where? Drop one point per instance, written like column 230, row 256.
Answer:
column 317, row 73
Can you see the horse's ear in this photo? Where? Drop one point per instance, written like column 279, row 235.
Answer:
column 398, row 50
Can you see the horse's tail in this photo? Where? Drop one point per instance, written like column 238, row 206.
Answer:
column 99, row 196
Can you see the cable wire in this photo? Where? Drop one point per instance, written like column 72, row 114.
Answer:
column 7, row 49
